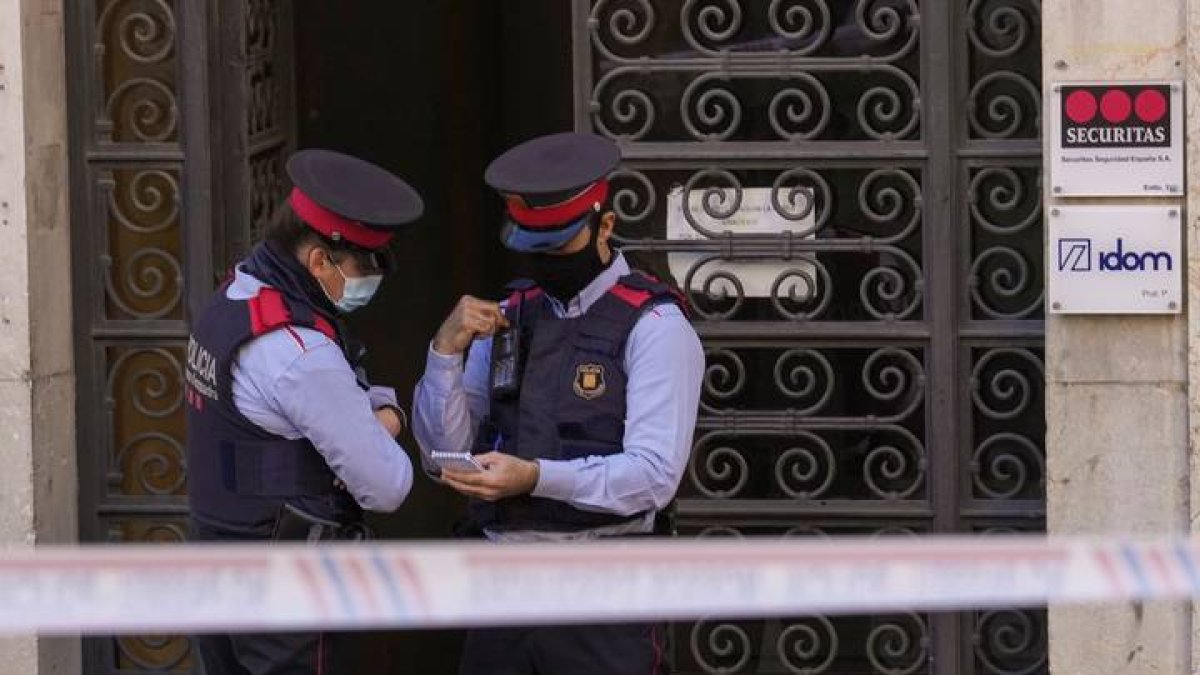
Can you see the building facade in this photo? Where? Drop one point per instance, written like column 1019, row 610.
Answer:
column 851, row 192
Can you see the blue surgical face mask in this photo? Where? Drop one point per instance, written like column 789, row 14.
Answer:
column 356, row 291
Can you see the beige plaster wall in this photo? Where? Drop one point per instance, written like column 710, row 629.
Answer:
column 38, row 483
column 1116, row 388
column 1192, row 231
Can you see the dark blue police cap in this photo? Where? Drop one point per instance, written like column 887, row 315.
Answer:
column 344, row 197
column 552, row 186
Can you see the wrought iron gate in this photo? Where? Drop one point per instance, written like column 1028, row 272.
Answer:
column 876, row 367
column 148, row 164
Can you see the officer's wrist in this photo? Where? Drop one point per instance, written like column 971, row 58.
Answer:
column 400, row 419
column 401, row 416
column 533, row 473
column 442, row 349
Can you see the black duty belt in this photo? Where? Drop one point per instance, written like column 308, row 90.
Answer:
column 294, row 524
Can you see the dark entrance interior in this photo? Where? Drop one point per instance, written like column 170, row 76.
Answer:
column 432, row 90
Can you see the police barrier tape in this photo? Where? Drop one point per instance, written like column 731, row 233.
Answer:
column 168, row 589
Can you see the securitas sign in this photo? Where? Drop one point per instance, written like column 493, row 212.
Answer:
column 1116, row 116
column 1114, row 260
column 1117, row 139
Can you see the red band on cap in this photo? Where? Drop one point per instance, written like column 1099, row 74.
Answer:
column 333, row 225
column 559, row 214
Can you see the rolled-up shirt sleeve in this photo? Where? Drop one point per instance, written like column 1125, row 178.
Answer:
column 319, row 395
column 382, row 397
column 664, row 362
column 450, row 401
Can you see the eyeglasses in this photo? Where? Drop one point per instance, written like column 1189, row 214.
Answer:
column 378, row 261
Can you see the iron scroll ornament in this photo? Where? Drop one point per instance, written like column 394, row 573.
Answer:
column 144, row 396
column 696, row 71
column 137, row 102
column 888, row 205
column 143, row 276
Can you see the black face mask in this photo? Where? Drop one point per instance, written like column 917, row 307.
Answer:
column 564, row 276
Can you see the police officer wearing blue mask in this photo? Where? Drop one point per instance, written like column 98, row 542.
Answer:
column 286, row 440
column 578, row 397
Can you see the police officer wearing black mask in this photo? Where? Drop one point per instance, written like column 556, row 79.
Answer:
column 576, row 397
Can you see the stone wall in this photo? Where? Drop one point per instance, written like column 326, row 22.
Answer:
column 38, row 484
column 1117, row 387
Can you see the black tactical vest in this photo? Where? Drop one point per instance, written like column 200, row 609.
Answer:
column 571, row 402
column 238, row 474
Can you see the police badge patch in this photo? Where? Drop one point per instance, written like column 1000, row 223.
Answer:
column 589, row 381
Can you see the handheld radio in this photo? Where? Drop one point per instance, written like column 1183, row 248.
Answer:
column 505, row 378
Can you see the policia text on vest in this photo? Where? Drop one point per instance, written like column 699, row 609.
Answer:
column 286, row 439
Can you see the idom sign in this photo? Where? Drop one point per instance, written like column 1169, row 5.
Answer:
column 1081, row 255
column 1116, row 139
column 1114, row 260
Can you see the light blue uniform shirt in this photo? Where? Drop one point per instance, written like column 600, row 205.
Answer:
column 296, row 383
column 664, row 363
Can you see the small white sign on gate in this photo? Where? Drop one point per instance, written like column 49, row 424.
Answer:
column 755, row 215
column 1117, row 139
column 1115, row 260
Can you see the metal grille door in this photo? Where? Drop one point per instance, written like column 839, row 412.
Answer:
column 874, row 355
column 146, row 230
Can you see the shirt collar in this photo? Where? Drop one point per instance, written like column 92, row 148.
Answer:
column 595, row 290
column 244, row 285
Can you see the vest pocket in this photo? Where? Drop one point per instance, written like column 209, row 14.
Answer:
column 595, row 344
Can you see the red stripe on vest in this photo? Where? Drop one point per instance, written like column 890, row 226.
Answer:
column 520, row 297
column 257, row 327
column 682, row 301
column 680, row 298
column 325, row 327
column 267, row 311
column 631, row 296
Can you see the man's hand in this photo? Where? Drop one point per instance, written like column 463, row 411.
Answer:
column 471, row 317
column 502, row 476
column 390, row 419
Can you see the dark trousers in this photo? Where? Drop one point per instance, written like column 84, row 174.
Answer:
column 264, row 653
column 270, row 654
column 618, row 649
